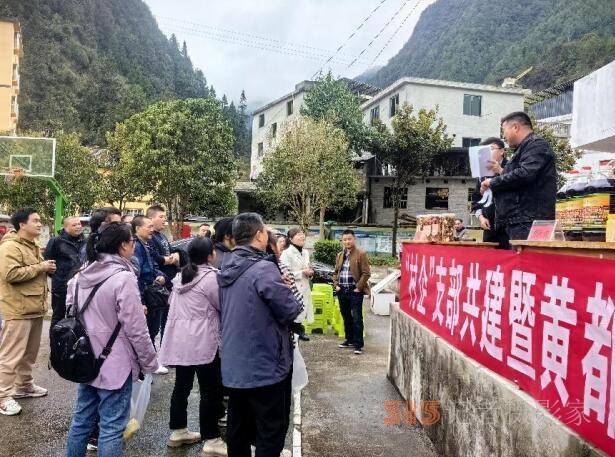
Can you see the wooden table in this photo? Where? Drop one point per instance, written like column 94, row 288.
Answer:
column 577, row 248
column 463, row 244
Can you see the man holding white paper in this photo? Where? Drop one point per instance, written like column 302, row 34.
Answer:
column 525, row 191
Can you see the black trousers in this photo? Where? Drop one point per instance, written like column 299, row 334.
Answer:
column 210, row 388
column 351, row 309
column 58, row 307
column 259, row 416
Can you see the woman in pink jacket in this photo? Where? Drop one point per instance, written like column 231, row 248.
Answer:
column 190, row 344
column 117, row 300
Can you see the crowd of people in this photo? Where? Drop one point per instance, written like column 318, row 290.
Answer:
column 229, row 306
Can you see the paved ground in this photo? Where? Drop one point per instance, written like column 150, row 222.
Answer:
column 342, row 408
column 41, row 429
column 343, row 412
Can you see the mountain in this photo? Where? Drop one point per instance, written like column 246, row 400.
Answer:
column 484, row 41
column 91, row 63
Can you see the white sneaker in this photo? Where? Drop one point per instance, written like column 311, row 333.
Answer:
column 222, row 422
column 162, row 370
column 31, row 391
column 183, row 436
column 9, row 407
column 91, row 447
column 215, row 448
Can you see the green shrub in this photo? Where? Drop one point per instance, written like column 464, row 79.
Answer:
column 379, row 260
column 326, row 250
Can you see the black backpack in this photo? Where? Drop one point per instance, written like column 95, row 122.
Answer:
column 72, row 356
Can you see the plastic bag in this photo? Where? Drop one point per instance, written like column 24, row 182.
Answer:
column 141, row 391
column 300, row 374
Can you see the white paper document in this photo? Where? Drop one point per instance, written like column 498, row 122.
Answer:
column 479, row 159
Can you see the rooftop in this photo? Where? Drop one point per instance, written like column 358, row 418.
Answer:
column 441, row 83
column 355, row 86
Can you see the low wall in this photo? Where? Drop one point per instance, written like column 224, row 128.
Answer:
column 482, row 414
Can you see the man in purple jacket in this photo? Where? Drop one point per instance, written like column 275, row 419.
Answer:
column 257, row 310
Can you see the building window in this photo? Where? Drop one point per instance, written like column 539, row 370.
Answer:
column 261, row 120
column 472, row 105
column 289, row 107
column 469, row 142
column 17, row 40
column 374, row 115
column 388, row 198
column 436, row 198
column 260, row 149
column 470, row 194
column 274, row 129
column 393, row 105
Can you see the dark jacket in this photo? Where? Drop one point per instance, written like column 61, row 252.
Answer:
column 159, row 249
column 525, row 191
column 222, row 252
column 64, row 249
column 147, row 270
column 359, row 268
column 257, row 310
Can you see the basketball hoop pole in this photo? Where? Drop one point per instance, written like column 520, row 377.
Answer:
column 60, row 204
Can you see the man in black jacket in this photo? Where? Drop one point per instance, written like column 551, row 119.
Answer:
column 483, row 205
column 64, row 249
column 525, row 191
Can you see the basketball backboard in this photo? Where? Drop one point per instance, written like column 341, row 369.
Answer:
column 34, row 157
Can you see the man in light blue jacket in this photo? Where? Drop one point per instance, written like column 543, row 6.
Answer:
column 257, row 310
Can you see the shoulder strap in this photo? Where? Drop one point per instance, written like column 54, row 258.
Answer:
column 79, row 312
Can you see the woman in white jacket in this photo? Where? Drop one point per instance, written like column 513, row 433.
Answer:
column 297, row 259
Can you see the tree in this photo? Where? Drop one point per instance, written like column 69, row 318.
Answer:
column 180, row 151
column 565, row 155
column 416, row 140
column 308, row 171
column 331, row 99
column 76, row 172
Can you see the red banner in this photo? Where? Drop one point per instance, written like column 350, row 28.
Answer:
column 544, row 322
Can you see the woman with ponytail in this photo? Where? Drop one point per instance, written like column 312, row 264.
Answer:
column 190, row 344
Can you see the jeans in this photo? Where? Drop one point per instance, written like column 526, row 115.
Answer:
column 111, row 408
column 351, row 308
column 154, row 319
column 58, row 305
column 259, row 416
column 210, row 390
column 518, row 231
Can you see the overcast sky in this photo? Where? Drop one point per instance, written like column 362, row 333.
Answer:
column 267, row 46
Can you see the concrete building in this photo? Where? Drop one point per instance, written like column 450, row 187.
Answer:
column 593, row 117
column 269, row 120
column 471, row 112
column 11, row 52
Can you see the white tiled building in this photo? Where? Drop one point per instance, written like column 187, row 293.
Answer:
column 269, row 119
column 471, row 112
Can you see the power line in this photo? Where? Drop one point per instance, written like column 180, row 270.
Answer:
column 251, row 44
column 386, row 45
column 391, row 19
column 354, row 32
column 243, row 35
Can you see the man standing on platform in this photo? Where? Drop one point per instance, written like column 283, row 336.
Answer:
column 525, row 191
column 350, row 281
